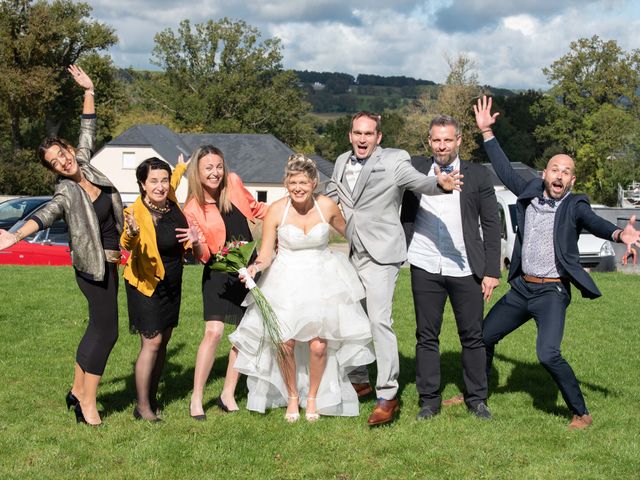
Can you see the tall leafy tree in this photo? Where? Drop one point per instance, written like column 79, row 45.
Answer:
column 454, row 98
column 222, row 77
column 38, row 40
column 592, row 112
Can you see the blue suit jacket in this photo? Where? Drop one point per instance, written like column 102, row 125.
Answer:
column 574, row 214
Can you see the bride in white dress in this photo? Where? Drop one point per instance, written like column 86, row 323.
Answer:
column 316, row 295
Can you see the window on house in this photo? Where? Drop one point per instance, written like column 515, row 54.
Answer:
column 262, row 196
column 129, row 160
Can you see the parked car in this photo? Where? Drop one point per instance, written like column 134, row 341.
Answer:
column 596, row 253
column 45, row 247
column 15, row 209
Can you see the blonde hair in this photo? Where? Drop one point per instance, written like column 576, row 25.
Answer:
column 195, row 184
column 300, row 163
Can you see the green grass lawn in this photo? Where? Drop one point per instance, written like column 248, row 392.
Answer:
column 43, row 315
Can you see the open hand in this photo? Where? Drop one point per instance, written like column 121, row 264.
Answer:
column 181, row 160
column 484, row 118
column 80, row 77
column 449, row 181
column 6, row 239
column 630, row 236
column 189, row 234
column 131, row 224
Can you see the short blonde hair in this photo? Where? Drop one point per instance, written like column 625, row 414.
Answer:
column 300, row 163
column 195, row 184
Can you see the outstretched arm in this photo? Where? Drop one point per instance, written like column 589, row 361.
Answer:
column 8, row 239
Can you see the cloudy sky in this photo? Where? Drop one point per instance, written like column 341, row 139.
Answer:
column 510, row 41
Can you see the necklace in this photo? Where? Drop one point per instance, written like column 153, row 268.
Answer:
column 155, row 208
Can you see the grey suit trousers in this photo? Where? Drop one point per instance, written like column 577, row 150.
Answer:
column 379, row 283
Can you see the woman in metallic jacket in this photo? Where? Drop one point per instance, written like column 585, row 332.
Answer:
column 92, row 208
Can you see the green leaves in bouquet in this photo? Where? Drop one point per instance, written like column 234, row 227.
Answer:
column 233, row 256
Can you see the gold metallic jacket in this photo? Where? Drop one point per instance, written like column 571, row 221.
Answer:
column 72, row 202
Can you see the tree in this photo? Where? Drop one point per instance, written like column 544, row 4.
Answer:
column 221, row 77
column 592, row 112
column 38, row 40
column 515, row 128
column 454, row 98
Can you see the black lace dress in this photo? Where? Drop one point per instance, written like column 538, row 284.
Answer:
column 149, row 316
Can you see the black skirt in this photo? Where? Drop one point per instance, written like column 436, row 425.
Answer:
column 223, row 293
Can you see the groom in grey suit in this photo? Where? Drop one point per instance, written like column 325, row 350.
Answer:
column 368, row 182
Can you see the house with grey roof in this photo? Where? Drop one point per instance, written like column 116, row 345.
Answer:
column 259, row 159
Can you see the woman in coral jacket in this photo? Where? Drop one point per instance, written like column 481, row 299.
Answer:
column 157, row 234
column 220, row 207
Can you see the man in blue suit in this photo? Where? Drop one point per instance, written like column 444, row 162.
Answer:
column 545, row 260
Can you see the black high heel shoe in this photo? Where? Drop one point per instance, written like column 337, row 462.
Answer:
column 78, row 411
column 71, row 400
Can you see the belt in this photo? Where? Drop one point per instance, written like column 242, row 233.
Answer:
column 532, row 279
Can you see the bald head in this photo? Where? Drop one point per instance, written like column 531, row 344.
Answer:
column 559, row 176
column 564, row 160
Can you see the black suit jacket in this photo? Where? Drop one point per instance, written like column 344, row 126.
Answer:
column 478, row 207
column 574, row 214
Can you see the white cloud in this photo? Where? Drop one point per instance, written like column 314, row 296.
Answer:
column 510, row 41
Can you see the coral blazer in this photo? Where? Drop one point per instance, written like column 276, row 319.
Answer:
column 209, row 222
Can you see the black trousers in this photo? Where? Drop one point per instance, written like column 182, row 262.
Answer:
column 547, row 304
column 430, row 292
column 102, row 331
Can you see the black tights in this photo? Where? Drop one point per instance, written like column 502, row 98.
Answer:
column 102, row 331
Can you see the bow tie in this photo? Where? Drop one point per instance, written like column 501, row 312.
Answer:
column 447, row 169
column 549, row 201
column 355, row 160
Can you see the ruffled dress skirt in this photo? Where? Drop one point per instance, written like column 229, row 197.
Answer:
column 315, row 293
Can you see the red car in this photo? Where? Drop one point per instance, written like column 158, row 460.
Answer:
column 46, row 247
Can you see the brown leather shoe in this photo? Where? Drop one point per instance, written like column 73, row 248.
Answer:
column 580, row 422
column 362, row 389
column 456, row 400
column 384, row 411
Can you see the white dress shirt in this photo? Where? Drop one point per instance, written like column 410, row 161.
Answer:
column 437, row 245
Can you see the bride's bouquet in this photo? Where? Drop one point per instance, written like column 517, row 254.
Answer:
column 235, row 257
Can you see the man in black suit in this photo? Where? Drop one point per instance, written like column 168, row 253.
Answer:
column 545, row 260
column 450, row 257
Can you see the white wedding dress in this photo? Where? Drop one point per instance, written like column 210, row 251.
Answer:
column 315, row 293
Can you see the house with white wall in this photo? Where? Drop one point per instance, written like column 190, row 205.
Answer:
column 259, row 159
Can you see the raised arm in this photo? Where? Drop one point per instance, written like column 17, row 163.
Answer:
column 87, row 139
column 178, row 172
column 501, row 164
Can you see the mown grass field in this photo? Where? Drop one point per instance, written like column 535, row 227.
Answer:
column 43, row 315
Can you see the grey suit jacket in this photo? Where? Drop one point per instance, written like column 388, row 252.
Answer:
column 372, row 209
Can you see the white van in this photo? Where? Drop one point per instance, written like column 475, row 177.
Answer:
column 595, row 253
